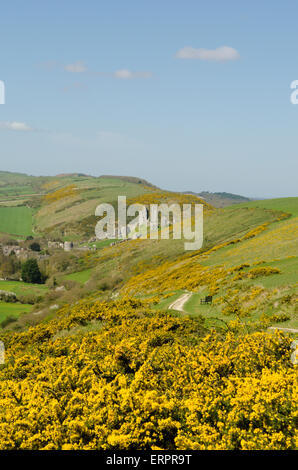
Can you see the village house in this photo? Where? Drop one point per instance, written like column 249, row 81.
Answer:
column 8, row 249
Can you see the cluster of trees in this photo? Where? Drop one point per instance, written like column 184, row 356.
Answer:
column 31, row 272
column 12, row 268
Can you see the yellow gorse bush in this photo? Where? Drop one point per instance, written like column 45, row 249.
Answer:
column 159, row 197
column 188, row 273
column 257, row 272
column 144, row 380
column 67, row 191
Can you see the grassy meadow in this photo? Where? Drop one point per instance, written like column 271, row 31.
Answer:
column 13, row 310
column 23, row 288
column 82, row 276
column 16, row 221
column 286, row 204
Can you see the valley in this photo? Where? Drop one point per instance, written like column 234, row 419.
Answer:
column 110, row 325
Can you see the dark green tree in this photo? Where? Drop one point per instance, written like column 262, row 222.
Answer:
column 34, row 246
column 31, row 272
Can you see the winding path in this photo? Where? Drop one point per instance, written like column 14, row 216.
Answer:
column 178, row 304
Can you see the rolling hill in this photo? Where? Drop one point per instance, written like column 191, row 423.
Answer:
column 100, row 357
column 220, row 199
column 252, row 234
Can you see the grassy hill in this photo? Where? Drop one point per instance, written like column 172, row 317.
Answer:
column 12, row 311
column 22, row 288
column 16, row 221
column 286, row 204
column 255, row 234
column 221, row 199
column 101, row 362
column 50, row 205
column 72, row 214
column 255, row 270
column 161, row 270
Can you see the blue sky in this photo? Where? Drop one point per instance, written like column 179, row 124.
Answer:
column 147, row 88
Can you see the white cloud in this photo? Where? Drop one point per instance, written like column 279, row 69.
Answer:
column 81, row 67
column 15, row 126
column 125, row 74
column 77, row 67
column 221, row 54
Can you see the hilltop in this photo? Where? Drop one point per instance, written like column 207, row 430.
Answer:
column 63, row 206
column 220, row 199
column 53, row 204
column 131, row 179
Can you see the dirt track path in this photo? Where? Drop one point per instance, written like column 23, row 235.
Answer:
column 178, row 304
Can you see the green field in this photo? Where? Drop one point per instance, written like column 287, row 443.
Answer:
column 194, row 306
column 288, row 273
column 15, row 191
column 286, row 204
column 16, row 221
column 22, row 288
column 13, row 310
column 81, row 277
column 102, row 243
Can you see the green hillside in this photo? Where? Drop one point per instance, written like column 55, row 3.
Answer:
column 22, row 288
column 255, row 234
column 118, row 361
column 16, row 221
column 287, row 204
column 222, row 199
column 71, row 211
column 8, row 310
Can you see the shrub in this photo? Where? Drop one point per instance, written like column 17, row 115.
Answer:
column 34, row 246
column 266, row 271
column 280, row 318
column 31, row 272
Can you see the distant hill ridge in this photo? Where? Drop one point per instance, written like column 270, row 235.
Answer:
column 220, row 199
column 21, row 184
column 74, row 175
column 131, row 179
